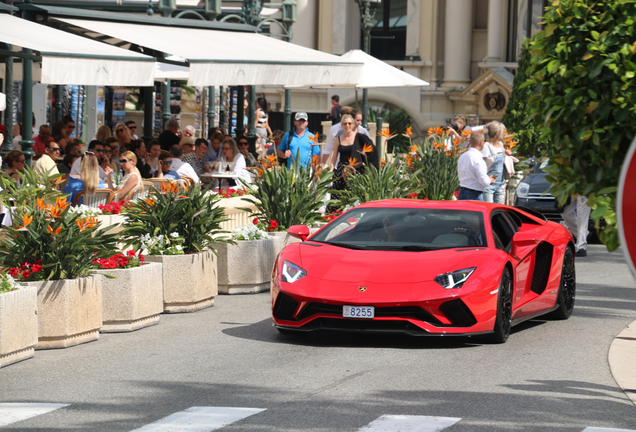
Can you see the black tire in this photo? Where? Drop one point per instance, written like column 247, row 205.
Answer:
column 503, row 323
column 567, row 288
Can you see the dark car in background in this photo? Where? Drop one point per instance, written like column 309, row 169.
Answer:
column 533, row 193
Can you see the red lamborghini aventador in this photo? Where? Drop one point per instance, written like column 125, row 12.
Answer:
column 425, row 268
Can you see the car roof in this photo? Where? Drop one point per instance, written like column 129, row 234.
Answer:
column 479, row 206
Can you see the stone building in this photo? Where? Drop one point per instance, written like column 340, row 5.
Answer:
column 466, row 49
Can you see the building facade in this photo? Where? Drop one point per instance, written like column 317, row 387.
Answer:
column 466, row 50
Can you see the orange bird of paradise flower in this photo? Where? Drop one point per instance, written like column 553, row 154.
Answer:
column 367, row 148
column 271, row 159
column 409, row 132
column 413, row 149
column 466, row 133
column 353, row 162
column 40, row 203
column 386, row 133
column 150, row 201
column 86, row 223
column 26, row 221
column 314, row 138
column 54, row 231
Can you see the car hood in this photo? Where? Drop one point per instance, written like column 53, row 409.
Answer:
column 338, row 264
column 538, row 183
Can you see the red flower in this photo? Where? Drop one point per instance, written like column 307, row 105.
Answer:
column 255, row 221
column 38, row 262
column 412, row 195
column 25, row 265
column 142, row 259
column 131, row 253
column 456, row 194
column 36, row 268
column 14, row 272
column 26, row 274
column 272, row 225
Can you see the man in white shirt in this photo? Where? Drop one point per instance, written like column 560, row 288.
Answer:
column 472, row 170
column 182, row 168
column 96, row 147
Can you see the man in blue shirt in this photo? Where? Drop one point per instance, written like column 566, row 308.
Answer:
column 300, row 141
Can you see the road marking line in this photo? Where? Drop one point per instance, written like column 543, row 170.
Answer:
column 200, row 419
column 408, row 423
column 15, row 412
column 594, row 429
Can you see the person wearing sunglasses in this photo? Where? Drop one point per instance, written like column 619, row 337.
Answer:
column 15, row 164
column 165, row 167
column 97, row 148
column 132, row 178
column 132, row 127
column 123, row 136
column 88, row 181
column 232, row 161
column 187, row 144
column 48, row 162
column 243, row 146
column 297, row 142
column 67, row 131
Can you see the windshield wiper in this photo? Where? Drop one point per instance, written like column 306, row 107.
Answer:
column 417, row 248
column 346, row 245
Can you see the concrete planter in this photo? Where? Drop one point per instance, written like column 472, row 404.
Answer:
column 235, row 216
column 246, row 267
column 189, row 281
column 69, row 311
column 133, row 300
column 18, row 325
column 281, row 240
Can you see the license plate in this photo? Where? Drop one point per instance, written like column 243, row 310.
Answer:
column 367, row 312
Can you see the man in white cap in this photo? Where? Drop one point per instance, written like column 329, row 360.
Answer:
column 298, row 144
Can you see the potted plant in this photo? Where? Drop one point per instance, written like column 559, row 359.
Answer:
column 246, row 266
column 289, row 196
column 188, row 223
column 18, row 321
column 52, row 248
column 233, row 207
column 132, row 292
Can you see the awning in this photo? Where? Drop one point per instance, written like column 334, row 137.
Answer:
column 72, row 59
column 172, row 71
column 233, row 58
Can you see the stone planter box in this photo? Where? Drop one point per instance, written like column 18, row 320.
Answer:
column 69, row 311
column 282, row 239
column 246, row 267
column 189, row 281
column 236, row 216
column 133, row 300
column 18, row 325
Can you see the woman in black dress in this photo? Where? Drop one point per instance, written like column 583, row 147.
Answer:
column 355, row 151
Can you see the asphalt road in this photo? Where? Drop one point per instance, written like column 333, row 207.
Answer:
column 549, row 376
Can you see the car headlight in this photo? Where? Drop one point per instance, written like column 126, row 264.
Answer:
column 292, row 272
column 523, row 189
column 454, row 279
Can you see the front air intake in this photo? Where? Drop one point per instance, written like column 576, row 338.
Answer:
column 285, row 307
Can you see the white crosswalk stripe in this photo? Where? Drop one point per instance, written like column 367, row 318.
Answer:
column 594, row 429
column 409, row 423
column 15, row 412
column 200, row 419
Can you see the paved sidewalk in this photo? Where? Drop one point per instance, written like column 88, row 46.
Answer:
column 622, row 360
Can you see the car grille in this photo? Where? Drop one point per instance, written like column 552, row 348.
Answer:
column 285, row 307
column 364, row 325
column 458, row 313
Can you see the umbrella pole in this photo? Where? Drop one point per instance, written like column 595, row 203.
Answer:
column 356, row 96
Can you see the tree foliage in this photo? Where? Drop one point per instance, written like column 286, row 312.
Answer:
column 517, row 117
column 583, row 68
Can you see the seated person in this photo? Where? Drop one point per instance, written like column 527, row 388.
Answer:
column 15, row 163
column 87, row 181
column 165, row 165
column 66, row 165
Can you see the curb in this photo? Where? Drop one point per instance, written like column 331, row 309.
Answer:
column 622, row 360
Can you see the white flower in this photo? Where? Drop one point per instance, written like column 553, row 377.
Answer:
column 174, row 235
column 179, row 248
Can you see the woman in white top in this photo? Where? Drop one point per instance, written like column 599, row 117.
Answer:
column 494, row 155
column 262, row 123
column 132, row 178
column 233, row 161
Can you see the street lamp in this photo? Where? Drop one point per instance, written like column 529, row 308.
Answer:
column 367, row 12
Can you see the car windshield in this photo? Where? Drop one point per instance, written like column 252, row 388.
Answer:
column 405, row 229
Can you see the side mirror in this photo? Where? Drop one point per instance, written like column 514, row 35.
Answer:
column 299, row 231
column 523, row 242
